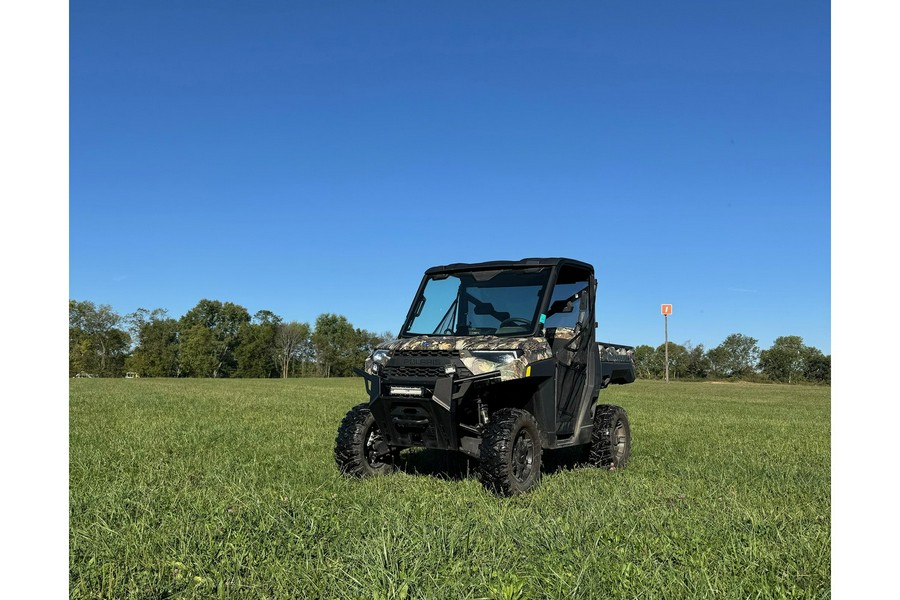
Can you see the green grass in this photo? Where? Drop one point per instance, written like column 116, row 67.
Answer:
column 228, row 489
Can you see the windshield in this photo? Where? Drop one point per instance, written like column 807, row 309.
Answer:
column 479, row 303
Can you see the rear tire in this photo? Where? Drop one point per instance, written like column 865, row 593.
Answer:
column 611, row 438
column 510, row 450
column 357, row 444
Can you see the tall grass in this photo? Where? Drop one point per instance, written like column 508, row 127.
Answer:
column 227, row 489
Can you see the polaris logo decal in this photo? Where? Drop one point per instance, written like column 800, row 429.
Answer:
column 419, row 361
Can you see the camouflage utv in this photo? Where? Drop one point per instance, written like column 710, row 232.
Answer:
column 497, row 360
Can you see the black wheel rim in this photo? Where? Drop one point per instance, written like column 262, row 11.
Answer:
column 522, row 456
column 620, row 440
column 373, row 438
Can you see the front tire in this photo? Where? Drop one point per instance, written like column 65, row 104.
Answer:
column 360, row 449
column 510, row 452
column 611, row 438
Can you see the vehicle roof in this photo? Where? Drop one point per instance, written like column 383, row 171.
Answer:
column 508, row 264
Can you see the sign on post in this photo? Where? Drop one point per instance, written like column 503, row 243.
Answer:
column 666, row 310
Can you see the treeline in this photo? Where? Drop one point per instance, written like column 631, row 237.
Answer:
column 222, row 339
column 789, row 360
column 213, row 339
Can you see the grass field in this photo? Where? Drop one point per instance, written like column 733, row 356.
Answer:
column 228, row 489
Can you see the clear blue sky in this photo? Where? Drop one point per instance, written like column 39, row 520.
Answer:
column 317, row 157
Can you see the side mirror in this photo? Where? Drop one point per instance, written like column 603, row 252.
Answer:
column 561, row 306
column 483, row 309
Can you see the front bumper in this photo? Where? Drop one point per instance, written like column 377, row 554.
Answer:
column 432, row 420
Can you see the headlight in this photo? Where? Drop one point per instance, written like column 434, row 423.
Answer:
column 501, row 357
column 380, row 357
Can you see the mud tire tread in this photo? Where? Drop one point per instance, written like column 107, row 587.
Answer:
column 495, row 466
column 603, row 446
column 349, row 445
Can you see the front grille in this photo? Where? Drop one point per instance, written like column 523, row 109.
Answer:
column 406, row 371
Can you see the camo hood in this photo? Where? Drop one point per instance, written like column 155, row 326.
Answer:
column 529, row 349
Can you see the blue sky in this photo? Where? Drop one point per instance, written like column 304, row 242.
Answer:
column 317, row 157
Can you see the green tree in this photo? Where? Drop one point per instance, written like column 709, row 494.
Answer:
column 698, row 364
column 255, row 354
column 157, row 343
column 817, row 366
column 209, row 336
column 647, row 362
column 717, row 359
column 736, row 356
column 97, row 344
column 784, row 361
column 293, row 346
column 199, row 356
column 337, row 345
column 789, row 360
column 678, row 360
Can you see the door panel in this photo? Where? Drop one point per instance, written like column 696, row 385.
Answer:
column 570, row 331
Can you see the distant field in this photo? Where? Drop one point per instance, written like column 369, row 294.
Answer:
column 227, row 488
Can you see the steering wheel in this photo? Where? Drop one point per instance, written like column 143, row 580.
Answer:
column 515, row 321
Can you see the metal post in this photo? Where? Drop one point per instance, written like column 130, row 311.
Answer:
column 667, row 347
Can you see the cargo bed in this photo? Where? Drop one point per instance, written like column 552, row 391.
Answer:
column 616, row 364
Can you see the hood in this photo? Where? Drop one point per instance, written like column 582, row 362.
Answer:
column 529, row 350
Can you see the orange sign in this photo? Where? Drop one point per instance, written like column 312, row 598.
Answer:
column 667, row 309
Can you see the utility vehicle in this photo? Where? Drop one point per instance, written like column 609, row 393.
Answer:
column 497, row 360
